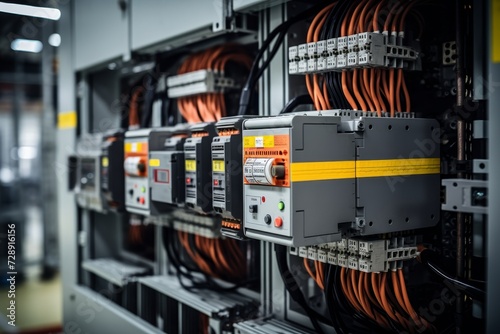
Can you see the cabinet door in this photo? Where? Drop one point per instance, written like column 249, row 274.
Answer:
column 101, row 31
column 154, row 21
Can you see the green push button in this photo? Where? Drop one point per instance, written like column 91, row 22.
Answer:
column 281, row 206
column 143, row 189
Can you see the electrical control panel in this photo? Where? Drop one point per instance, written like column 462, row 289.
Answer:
column 250, row 216
column 198, row 167
column 112, row 173
column 137, row 146
column 299, row 179
column 166, row 172
column 88, row 185
column 136, row 174
column 227, row 174
column 341, row 168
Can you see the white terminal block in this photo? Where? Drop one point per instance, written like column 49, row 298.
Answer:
column 352, row 47
column 293, row 57
column 303, row 56
column 331, row 49
column 303, row 251
column 322, row 255
column 332, row 258
column 312, row 253
column 342, row 52
column 312, row 52
column 352, row 43
column 363, row 255
column 352, row 245
column 322, row 55
column 352, row 262
column 342, row 245
column 342, row 260
column 367, row 49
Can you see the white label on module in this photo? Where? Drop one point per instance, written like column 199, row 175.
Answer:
column 248, row 170
column 258, row 171
column 131, row 165
column 259, row 141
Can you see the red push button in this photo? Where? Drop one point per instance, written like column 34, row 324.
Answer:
column 188, row 180
column 216, row 182
column 142, row 200
column 278, row 222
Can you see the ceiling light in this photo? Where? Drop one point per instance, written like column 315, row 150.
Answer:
column 41, row 12
column 26, row 45
column 55, row 40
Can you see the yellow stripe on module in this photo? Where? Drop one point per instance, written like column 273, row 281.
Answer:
column 397, row 167
column 324, row 170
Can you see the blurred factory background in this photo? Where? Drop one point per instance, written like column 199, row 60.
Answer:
column 28, row 88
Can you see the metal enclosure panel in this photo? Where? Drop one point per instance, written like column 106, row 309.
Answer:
column 99, row 26
column 65, row 139
column 409, row 201
column 493, row 228
column 94, row 313
column 159, row 20
column 254, row 5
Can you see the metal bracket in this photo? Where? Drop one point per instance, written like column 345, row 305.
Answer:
column 469, row 196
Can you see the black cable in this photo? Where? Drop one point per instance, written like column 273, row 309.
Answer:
column 293, row 288
column 256, row 71
column 295, row 102
column 338, row 322
column 429, row 259
column 149, row 93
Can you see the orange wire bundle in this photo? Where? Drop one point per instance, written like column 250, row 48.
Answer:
column 219, row 258
column 370, row 293
column 318, row 275
column 367, row 89
column 210, row 107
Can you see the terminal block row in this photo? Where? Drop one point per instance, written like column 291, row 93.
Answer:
column 363, row 50
column 198, row 82
column 369, row 256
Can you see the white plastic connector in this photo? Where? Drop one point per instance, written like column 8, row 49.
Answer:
column 198, row 82
column 364, row 255
column 367, row 49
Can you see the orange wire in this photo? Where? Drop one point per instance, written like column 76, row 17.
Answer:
column 406, row 94
column 355, row 18
column 346, row 91
column 391, row 92
column 134, row 107
column 390, row 15
column 376, row 15
column 398, row 90
column 365, row 89
column 397, row 292
column 383, row 298
column 418, row 320
column 325, row 94
column 309, row 271
column 363, row 17
column 345, row 289
column 320, row 100
column 319, row 274
column 362, row 296
column 375, row 96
